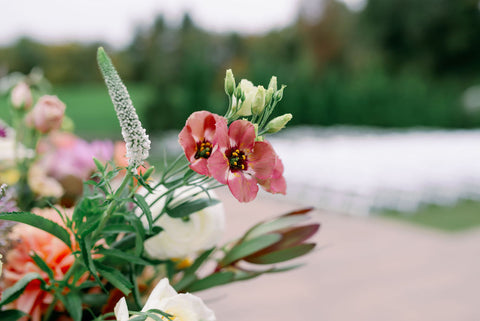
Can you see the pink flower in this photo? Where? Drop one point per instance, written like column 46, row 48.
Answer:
column 276, row 183
column 21, row 96
column 199, row 138
column 240, row 161
column 47, row 115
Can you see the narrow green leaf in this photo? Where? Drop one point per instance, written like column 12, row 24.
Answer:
column 85, row 249
column 42, row 265
column 139, row 235
column 115, row 277
column 12, row 293
column 122, row 255
column 118, row 228
column 249, row 247
column 11, row 315
column 73, row 304
column 142, row 203
column 40, row 223
column 274, row 225
column 99, row 165
column 216, row 279
column 282, row 255
column 186, row 208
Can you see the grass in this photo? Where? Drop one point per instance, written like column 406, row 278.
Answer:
column 463, row 216
column 91, row 109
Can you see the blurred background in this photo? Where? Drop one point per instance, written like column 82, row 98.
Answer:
column 385, row 96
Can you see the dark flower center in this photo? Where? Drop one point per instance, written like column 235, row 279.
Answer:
column 204, row 149
column 237, row 159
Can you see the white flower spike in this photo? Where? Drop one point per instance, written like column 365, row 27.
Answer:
column 134, row 135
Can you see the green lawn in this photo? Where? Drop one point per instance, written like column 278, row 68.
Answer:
column 91, row 109
column 465, row 215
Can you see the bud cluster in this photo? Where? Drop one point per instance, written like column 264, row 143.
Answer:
column 247, row 100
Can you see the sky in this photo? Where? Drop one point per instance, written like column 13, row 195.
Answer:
column 115, row 21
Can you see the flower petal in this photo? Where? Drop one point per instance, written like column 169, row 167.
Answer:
column 262, row 160
column 243, row 187
column 161, row 291
column 121, row 310
column 200, row 166
column 275, row 184
column 218, row 166
column 187, row 142
column 242, row 134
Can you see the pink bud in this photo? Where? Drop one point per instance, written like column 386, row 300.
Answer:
column 22, row 96
column 47, row 115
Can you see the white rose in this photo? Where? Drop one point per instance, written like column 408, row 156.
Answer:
column 250, row 91
column 184, row 307
column 179, row 238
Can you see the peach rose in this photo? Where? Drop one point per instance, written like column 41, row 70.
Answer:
column 47, row 115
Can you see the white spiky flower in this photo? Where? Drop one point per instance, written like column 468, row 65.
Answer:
column 134, row 135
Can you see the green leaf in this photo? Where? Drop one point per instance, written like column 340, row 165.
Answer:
column 139, row 235
column 42, row 265
column 145, row 209
column 99, row 165
column 282, row 255
column 122, row 255
column 12, row 293
column 118, row 228
column 115, row 277
column 85, row 248
column 40, row 223
column 11, row 315
column 249, row 247
column 186, row 208
column 274, row 225
column 215, row 279
column 73, row 304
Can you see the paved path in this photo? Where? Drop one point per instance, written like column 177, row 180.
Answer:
column 368, row 269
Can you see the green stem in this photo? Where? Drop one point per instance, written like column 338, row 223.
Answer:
column 111, row 207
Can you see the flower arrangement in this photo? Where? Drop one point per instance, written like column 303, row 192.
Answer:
column 90, row 232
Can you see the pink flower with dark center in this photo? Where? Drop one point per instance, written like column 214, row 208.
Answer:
column 199, row 138
column 240, row 161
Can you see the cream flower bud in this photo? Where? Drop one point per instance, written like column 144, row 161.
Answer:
column 273, row 83
column 21, row 96
column 279, row 94
column 249, row 92
column 47, row 115
column 276, row 124
column 268, row 96
column 229, row 82
column 259, row 101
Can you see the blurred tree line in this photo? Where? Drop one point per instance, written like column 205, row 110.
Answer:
column 396, row 63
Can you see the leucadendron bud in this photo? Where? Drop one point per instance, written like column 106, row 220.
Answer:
column 229, row 83
column 278, row 123
column 273, row 83
column 259, row 101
